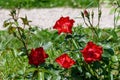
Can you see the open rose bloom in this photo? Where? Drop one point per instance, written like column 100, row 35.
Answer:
column 65, row 61
column 37, row 56
column 64, row 25
column 92, row 52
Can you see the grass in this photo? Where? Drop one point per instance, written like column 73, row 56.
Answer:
column 47, row 3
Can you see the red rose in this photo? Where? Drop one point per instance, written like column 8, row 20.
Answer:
column 92, row 52
column 64, row 24
column 37, row 56
column 65, row 61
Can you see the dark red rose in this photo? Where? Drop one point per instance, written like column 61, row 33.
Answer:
column 65, row 61
column 37, row 56
column 92, row 52
column 64, row 24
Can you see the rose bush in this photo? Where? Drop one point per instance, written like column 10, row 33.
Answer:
column 85, row 53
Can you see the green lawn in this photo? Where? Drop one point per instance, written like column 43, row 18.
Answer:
column 47, row 3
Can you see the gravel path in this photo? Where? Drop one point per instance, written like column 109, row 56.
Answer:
column 46, row 18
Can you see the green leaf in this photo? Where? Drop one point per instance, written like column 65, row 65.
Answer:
column 114, row 58
column 108, row 52
column 105, row 60
column 113, row 35
column 30, row 70
column 47, row 45
column 56, row 77
column 5, row 24
column 23, row 36
column 41, row 76
column 11, row 30
column 96, row 65
column 25, row 20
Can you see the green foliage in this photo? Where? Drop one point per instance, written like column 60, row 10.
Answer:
column 46, row 3
column 14, row 65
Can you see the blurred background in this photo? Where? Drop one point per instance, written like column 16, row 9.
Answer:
column 51, row 3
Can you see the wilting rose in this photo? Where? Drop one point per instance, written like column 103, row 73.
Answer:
column 37, row 56
column 92, row 52
column 65, row 61
column 64, row 24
